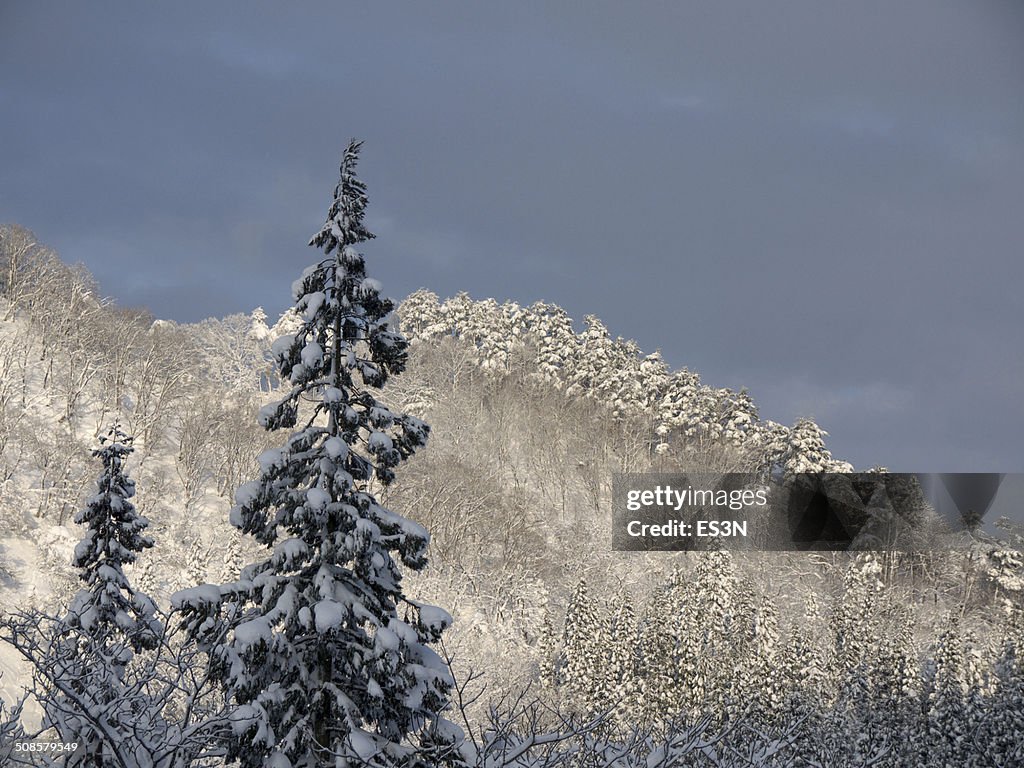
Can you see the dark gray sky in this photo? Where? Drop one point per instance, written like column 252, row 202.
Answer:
column 823, row 202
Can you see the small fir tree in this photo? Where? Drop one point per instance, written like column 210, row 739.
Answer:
column 108, row 608
column 107, row 622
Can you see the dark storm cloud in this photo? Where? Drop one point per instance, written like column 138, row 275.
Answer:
column 818, row 201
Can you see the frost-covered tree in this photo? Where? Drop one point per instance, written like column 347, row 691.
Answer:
column 662, row 639
column 1001, row 731
column 107, row 622
column 233, row 351
column 547, row 648
column 805, row 451
column 553, row 340
column 584, row 642
column 325, row 658
column 947, row 726
column 108, row 608
column 688, row 412
column 855, row 619
column 619, row 684
column 422, row 316
column 714, row 631
column 497, row 331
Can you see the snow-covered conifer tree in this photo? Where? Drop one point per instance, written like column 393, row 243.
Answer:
column 949, row 729
column 553, row 340
column 686, row 407
column 197, row 560
column 583, row 646
column 324, row 656
column 806, row 451
column 107, row 621
column 108, row 606
column 547, row 650
column 662, row 636
column 496, row 330
column 232, row 563
column 1001, row 733
column 620, row 682
column 709, row 656
column 422, row 316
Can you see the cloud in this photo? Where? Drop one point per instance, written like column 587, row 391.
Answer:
column 818, row 202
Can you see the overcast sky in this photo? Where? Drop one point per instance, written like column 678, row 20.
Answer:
column 823, row 202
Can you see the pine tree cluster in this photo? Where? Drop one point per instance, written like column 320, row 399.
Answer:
column 708, row 647
column 681, row 413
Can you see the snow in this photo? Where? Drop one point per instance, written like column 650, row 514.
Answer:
column 449, row 731
column 434, row 617
column 314, row 301
column 336, row 448
column 380, row 442
column 203, row 595
column 317, row 498
column 328, row 615
column 292, row 549
column 252, row 632
column 380, row 417
column 363, row 744
column 386, row 640
column 266, row 413
column 247, row 493
column 282, row 344
column 267, row 460
column 312, row 354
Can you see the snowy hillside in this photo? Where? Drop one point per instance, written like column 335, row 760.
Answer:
column 797, row 657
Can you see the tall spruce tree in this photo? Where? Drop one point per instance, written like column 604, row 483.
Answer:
column 324, row 656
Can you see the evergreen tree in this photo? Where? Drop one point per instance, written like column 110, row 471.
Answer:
column 716, row 620
column 801, row 674
column 756, row 688
column 662, row 633
column 547, row 650
column 1001, row 733
column 553, row 340
column 582, row 670
column 806, row 451
column 231, row 568
column 689, row 411
column 108, row 608
column 107, row 621
column 496, row 330
column 310, row 642
column 197, row 560
column 947, row 735
column 620, row 681
column 422, row 316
